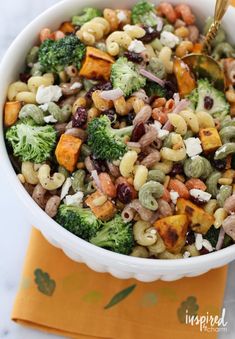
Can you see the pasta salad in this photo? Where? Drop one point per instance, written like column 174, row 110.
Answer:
column 116, row 139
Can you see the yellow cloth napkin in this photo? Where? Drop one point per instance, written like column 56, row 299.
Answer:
column 64, row 297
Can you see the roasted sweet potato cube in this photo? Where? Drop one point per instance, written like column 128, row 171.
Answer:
column 210, row 139
column 104, row 212
column 11, row 112
column 67, row 27
column 173, row 231
column 185, row 79
column 200, row 221
column 67, row 151
column 97, row 64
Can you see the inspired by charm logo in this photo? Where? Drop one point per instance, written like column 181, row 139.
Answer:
column 208, row 322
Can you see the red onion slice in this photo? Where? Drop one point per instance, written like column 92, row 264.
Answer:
column 133, row 144
column 180, row 107
column 96, row 178
column 220, row 239
column 160, row 24
column 152, row 77
column 112, row 94
column 176, row 98
column 168, row 126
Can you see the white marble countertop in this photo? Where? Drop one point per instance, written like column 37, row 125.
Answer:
column 14, row 229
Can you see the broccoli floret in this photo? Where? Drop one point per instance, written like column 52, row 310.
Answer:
column 125, row 75
column 209, row 99
column 157, row 68
column 31, row 142
column 115, row 235
column 105, row 142
column 87, row 14
column 144, row 13
column 79, row 221
column 154, row 89
column 193, row 97
column 54, row 56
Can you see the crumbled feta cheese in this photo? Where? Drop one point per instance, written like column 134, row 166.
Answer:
column 206, row 243
column 174, row 196
column 157, row 125
column 199, row 194
column 121, row 15
column 186, row 254
column 44, row 107
column 193, row 146
column 65, row 188
column 74, row 200
column 198, row 241
column 49, row 118
column 76, row 85
column 136, row 46
column 169, row 39
column 48, row 94
column 160, row 24
column 162, row 134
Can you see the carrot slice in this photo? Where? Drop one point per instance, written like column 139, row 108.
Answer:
column 179, row 187
column 195, row 183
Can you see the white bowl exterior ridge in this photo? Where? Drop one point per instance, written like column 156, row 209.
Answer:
column 98, row 259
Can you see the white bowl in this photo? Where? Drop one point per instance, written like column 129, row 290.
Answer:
column 96, row 258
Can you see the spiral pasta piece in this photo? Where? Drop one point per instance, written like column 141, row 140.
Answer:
column 225, row 150
column 227, row 134
column 34, row 112
column 224, row 193
column 197, row 167
column 212, row 184
column 93, row 30
column 156, row 175
column 148, row 194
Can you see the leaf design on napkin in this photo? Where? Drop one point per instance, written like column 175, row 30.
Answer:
column 93, row 296
column 45, row 284
column 149, row 299
column 120, row 296
column 190, row 305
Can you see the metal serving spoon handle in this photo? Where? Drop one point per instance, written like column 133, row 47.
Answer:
column 220, row 9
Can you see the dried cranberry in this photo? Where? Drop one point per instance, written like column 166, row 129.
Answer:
column 111, row 114
column 177, row 169
column 190, row 238
column 80, row 117
column 151, row 34
column 220, row 165
column 99, row 164
column 24, row 77
column 203, row 251
column 171, row 88
column 134, row 57
column 129, row 118
column 208, row 102
column 124, row 193
column 102, row 86
column 197, row 201
column 138, row 132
